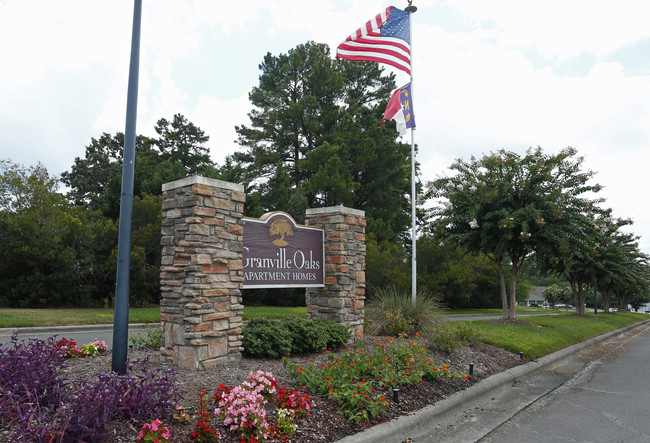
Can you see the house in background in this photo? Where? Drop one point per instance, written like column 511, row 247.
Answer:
column 536, row 298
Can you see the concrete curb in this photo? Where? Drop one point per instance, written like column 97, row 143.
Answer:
column 418, row 425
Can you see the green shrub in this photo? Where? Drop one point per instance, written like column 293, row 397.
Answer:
column 446, row 338
column 338, row 335
column 266, row 338
column 306, row 335
column 391, row 311
column 397, row 324
column 467, row 334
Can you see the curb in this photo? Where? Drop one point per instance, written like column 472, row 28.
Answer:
column 418, row 424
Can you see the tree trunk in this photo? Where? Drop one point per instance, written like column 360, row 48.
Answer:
column 625, row 303
column 576, row 295
column 605, row 296
column 513, row 289
column 502, row 283
column 580, row 305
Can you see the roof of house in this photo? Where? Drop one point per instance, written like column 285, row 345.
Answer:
column 537, row 293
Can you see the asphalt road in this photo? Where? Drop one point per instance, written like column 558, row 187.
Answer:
column 470, row 317
column 605, row 401
column 80, row 334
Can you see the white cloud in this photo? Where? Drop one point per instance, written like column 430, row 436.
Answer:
column 218, row 119
column 488, row 75
column 559, row 28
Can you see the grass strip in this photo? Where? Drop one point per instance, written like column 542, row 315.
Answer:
column 549, row 333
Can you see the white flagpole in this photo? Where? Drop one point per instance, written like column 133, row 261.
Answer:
column 411, row 9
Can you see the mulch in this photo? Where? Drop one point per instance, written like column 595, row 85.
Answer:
column 325, row 423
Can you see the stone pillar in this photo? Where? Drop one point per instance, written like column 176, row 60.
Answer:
column 201, row 272
column 342, row 298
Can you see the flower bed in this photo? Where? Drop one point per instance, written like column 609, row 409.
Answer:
column 324, row 422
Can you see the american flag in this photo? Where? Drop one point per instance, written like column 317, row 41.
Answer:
column 384, row 39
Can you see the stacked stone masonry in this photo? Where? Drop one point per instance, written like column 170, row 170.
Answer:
column 201, row 272
column 343, row 297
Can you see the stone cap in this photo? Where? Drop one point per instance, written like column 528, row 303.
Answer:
column 335, row 210
column 200, row 180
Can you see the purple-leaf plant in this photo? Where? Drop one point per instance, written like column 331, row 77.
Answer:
column 43, row 407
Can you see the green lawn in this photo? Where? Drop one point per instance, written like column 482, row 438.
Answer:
column 273, row 312
column 24, row 318
column 549, row 333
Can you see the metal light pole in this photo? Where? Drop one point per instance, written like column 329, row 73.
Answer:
column 121, row 318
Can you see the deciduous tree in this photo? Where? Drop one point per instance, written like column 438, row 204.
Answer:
column 49, row 249
column 507, row 206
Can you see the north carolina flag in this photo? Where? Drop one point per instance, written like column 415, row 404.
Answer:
column 400, row 109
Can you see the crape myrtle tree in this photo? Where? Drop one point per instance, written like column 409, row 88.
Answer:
column 596, row 250
column 623, row 268
column 313, row 140
column 506, row 206
column 613, row 251
column 641, row 294
column 573, row 254
column 634, row 287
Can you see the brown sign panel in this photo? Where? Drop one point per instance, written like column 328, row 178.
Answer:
column 278, row 253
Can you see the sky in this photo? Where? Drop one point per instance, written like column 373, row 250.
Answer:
column 503, row 74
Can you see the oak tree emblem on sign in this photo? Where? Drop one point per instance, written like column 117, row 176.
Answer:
column 280, row 228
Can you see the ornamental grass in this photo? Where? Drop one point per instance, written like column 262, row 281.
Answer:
column 391, row 311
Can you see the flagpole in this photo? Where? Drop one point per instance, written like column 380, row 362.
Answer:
column 411, row 9
column 357, row 47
